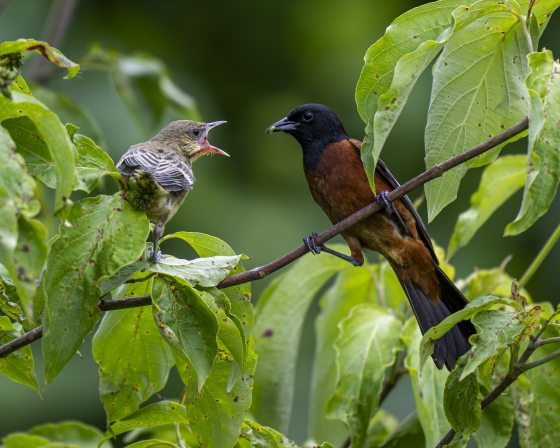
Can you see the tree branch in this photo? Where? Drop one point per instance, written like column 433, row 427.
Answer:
column 262, row 271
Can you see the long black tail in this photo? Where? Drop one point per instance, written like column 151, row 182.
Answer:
column 429, row 313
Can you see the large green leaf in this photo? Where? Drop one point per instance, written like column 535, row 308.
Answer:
column 134, row 361
column 187, row 323
column 22, row 240
column 51, row 53
column 156, row 414
column 461, row 401
column 367, row 345
column 99, row 236
column 70, row 433
column 217, row 411
column 239, row 295
column 205, row 272
column 428, row 384
column 392, row 66
column 478, row 90
column 280, row 314
column 18, row 366
column 498, row 183
column 496, row 331
column 39, row 135
column 543, row 169
column 352, row 287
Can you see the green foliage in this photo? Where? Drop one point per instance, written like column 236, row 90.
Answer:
column 57, row 262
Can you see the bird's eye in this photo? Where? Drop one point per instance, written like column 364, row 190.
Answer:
column 307, row 117
column 195, row 132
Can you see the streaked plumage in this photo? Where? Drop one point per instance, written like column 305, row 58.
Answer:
column 157, row 174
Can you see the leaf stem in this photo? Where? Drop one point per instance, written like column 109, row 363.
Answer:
column 262, row 271
column 540, row 257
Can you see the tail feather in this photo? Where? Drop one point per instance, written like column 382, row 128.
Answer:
column 449, row 348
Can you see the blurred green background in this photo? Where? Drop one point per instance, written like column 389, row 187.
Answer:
column 249, row 63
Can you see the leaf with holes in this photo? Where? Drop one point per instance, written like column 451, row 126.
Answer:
column 100, row 235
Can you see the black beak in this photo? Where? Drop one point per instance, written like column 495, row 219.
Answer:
column 283, row 125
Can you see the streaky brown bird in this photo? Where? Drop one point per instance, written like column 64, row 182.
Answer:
column 157, row 174
column 338, row 183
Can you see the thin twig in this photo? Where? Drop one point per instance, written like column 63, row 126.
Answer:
column 21, row 341
column 262, row 271
column 540, row 257
column 551, row 340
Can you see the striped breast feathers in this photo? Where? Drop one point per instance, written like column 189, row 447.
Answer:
column 170, row 172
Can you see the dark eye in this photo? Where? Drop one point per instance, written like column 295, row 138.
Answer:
column 307, row 117
column 195, row 132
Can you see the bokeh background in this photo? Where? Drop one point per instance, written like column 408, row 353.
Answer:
column 249, row 62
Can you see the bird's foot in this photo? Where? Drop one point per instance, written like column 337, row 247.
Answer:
column 316, row 248
column 390, row 208
column 312, row 245
column 154, row 257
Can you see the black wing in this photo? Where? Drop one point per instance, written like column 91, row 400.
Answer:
column 382, row 169
column 171, row 173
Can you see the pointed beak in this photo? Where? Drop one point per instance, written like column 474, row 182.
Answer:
column 283, row 125
column 205, row 146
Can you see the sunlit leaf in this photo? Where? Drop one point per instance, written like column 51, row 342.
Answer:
column 100, row 235
column 477, row 92
column 51, row 53
column 133, row 359
column 367, row 345
column 205, row 272
column 543, row 170
column 93, row 163
column 19, row 365
column 498, row 183
column 280, row 315
column 187, row 324
column 254, row 435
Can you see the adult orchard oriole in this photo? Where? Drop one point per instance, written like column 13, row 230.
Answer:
column 339, row 184
column 157, row 174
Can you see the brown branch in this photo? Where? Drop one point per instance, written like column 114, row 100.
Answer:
column 21, row 341
column 264, row 270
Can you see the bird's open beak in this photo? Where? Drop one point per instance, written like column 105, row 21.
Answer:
column 283, row 125
column 205, row 146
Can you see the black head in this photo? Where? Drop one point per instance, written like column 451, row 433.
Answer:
column 314, row 126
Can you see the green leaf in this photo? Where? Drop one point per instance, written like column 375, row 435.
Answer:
column 217, row 412
column 152, row 443
column 477, row 92
column 355, row 286
column 22, row 440
column 280, row 314
column 409, row 433
column 101, row 234
column 474, row 307
column 70, row 433
column 368, row 342
column 205, row 272
column 41, row 138
column 51, row 53
column 538, row 404
column 496, row 331
column 543, row 170
column 497, row 423
column 239, row 296
column 133, row 359
column 461, row 401
column 498, row 183
column 18, row 366
column 187, row 324
column 156, row 414
column 93, row 163
column 428, row 384
column 259, row 436
column 109, row 282
column 488, row 281
column 392, row 66
column 22, row 240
